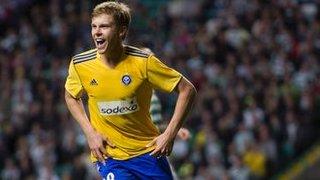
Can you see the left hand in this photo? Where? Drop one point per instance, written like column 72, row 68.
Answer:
column 163, row 145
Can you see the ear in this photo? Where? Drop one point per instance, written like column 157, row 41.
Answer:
column 123, row 32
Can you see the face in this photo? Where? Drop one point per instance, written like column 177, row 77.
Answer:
column 104, row 32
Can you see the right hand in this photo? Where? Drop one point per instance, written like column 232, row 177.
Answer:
column 98, row 144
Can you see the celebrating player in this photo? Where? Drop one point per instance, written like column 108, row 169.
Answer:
column 118, row 80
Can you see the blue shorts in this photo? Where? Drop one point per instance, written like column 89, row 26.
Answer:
column 141, row 167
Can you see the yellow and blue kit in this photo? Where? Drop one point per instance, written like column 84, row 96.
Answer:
column 119, row 97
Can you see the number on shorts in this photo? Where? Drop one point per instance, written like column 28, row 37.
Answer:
column 110, row 176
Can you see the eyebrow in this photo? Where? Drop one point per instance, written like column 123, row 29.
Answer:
column 102, row 24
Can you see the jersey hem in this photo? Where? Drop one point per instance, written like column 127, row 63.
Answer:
column 94, row 160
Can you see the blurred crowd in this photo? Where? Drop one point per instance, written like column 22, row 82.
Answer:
column 254, row 63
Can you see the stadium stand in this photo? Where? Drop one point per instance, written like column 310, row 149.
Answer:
column 254, row 63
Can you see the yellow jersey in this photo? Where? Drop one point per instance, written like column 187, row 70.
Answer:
column 119, row 97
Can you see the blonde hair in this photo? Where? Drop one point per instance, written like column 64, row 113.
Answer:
column 119, row 11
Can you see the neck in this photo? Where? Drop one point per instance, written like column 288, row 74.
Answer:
column 113, row 55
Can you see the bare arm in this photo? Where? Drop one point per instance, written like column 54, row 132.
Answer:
column 95, row 140
column 76, row 108
column 184, row 103
column 186, row 96
column 183, row 133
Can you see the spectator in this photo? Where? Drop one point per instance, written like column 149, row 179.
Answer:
column 255, row 65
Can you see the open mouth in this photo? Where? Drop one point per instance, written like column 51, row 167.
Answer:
column 100, row 42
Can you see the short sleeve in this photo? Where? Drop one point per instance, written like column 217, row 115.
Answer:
column 161, row 76
column 73, row 83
